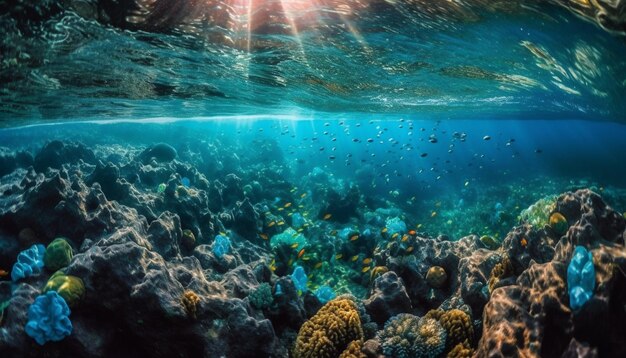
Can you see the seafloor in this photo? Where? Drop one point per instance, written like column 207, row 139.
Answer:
column 196, row 252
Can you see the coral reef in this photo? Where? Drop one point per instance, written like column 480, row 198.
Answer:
column 71, row 288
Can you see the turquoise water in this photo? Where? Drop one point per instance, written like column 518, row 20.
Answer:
column 464, row 61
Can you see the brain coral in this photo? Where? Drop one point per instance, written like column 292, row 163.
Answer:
column 71, row 288
column 58, row 254
column 330, row 332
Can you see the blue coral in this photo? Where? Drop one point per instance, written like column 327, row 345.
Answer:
column 299, row 279
column 29, row 262
column 48, row 318
column 221, row 246
column 325, row 294
column 581, row 278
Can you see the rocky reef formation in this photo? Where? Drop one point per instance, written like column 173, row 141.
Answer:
column 157, row 257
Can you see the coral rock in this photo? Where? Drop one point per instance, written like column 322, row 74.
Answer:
column 436, row 276
column 388, row 299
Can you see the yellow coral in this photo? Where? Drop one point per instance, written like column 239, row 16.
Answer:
column 458, row 324
column 500, row 270
column 330, row 331
column 353, row 350
column 190, row 301
column 460, row 351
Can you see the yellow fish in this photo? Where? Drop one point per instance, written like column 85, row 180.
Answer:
column 405, row 238
column 288, row 215
column 294, row 245
column 365, row 269
column 338, row 256
column 272, row 223
column 301, row 206
column 409, row 249
column 280, row 209
column 290, row 262
column 317, row 265
column 264, row 236
column 287, row 205
column 394, row 236
column 303, row 196
column 300, row 230
column 433, row 214
column 354, row 258
column 354, row 237
column 327, row 216
column 294, row 234
column 294, row 189
column 367, row 261
column 280, row 223
column 384, row 230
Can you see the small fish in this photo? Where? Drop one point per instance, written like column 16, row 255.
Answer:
column 294, row 189
column 300, row 253
column 354, row 237
column 338, row 256
column 486, row 137
column 295, row 234
column 384, row 230
column 290, row 262
column 433, row 214
column 367, row 261
column 327, row 216
column 412, row 232
column 272, row 223
column 394, row 236
column 303, row 196
column 365, row 269
column 317, row 265
column 333, row 233
column 264, row 236
column 280, row 223
column 409, row 249
column 301, row 206
column 280, row 209
column 354, row 258
column 4, row 273
column 524, row 242
column 300, row 230
column 289, row 215
column 287, row 205
column 295, row 245
column 405, row 238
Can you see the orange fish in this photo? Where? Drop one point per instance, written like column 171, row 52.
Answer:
column 412, row 232
column 523, row 242
column 327, row 216
column 3, row 273
column 271, row 223
column 300, row 253
column 354, row 237
column 367, row 261
column 264, row 236
column 405, row 238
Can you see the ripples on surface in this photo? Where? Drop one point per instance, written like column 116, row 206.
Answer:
column 435, row 59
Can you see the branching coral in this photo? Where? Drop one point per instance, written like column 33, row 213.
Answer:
column 353, row 350
column 330, row 331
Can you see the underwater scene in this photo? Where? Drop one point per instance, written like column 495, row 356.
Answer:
column 313, row 178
